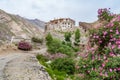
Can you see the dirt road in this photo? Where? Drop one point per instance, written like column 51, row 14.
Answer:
column 21, row 66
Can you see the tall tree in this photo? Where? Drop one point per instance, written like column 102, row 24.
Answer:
column 77, row 37
column 67, row 36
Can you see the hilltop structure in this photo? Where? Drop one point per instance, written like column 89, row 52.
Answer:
column 56, row 26
column 62, row 24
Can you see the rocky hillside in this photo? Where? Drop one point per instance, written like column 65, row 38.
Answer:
column 93, row 25
column 14, row 25
column 85, row 25
column 37, row 23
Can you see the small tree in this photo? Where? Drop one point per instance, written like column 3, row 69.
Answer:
column 49, row 38
column 67, row 36
column 77, row 37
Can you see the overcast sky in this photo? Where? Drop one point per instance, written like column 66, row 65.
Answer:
column 79, row 10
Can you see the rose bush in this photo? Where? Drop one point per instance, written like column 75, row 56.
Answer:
column 24, row 46
column 103, row 62
column 105, row 14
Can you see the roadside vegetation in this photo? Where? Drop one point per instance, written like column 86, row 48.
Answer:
column 37, row 40
column 102, row 60
column 62, row 65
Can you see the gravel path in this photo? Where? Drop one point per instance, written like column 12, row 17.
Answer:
column 21, row 66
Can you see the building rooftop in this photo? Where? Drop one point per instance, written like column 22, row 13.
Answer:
column 60, row 19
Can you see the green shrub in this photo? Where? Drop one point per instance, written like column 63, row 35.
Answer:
column 76, row 49
column 42, row 59
column 66, row 50
column 64, row 64
column 60, row 77
column 54, row 46
column 79, row 78
column 60, row 73
column 54, row 74
column 67, row 36
column 68, row 44
column 49, row 39
column 37, row 40
column 77, row 37
column 113, row 63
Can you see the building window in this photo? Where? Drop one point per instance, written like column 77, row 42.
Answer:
column 68, row 23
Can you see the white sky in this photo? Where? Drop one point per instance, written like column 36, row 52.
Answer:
column 79, row 10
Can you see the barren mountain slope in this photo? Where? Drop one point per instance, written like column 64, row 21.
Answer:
column 14, row 25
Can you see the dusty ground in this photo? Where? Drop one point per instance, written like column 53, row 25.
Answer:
column 19, row 65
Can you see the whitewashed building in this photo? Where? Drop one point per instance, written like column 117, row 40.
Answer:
column 61, row 24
